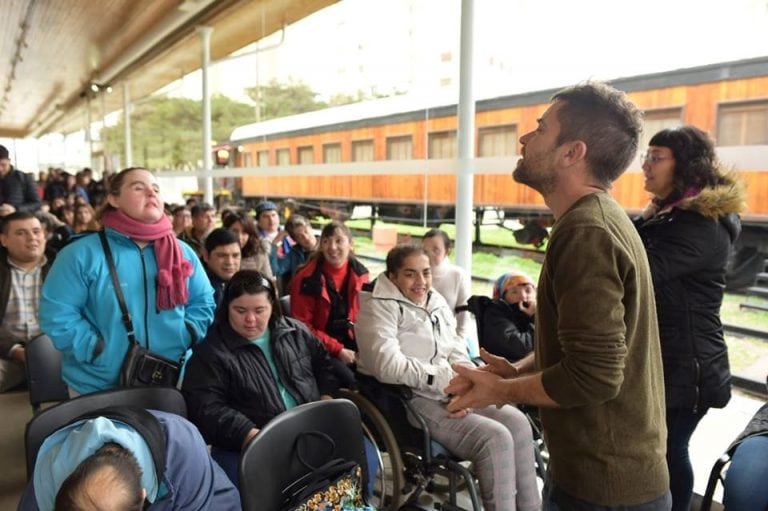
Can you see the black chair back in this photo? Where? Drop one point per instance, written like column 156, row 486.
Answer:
column 44, row 373
column 51, row 419
column 285, row 305
column 268, row 465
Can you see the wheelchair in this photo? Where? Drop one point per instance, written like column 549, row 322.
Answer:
column 410, row 462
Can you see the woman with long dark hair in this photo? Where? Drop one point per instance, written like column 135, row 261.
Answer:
column 254, row 250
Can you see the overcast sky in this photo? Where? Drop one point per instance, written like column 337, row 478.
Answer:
column 520, row 45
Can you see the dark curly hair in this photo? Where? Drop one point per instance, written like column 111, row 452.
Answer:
column 696, row 164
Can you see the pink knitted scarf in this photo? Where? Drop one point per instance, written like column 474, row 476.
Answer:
column 172, row 268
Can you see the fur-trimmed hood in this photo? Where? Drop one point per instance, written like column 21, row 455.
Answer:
column 722, row 200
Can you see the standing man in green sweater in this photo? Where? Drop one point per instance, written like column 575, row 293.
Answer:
column 596, row 371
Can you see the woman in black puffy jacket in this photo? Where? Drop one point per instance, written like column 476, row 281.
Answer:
column 254, row 364
column 688, row 230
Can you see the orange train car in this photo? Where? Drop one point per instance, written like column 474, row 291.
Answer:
column 400, row 154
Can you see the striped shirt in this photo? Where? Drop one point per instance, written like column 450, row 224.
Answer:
column 24, row 300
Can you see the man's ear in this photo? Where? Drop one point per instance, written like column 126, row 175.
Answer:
column 576, row 151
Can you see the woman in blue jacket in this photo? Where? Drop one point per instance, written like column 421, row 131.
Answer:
column 166, row 290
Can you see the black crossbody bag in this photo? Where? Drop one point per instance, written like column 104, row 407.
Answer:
column 141, row 367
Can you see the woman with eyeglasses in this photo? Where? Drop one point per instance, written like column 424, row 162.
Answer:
column 253, row 365
column 688, row 230
column 406, row 334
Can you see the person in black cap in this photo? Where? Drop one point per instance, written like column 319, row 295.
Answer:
column 267, row 219
column 18, row 191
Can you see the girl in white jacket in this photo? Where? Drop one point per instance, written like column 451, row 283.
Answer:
column 406, row 335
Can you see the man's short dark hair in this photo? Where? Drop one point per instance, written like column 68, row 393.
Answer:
column 219, row 237
column 199, row 209
column 178, row 209
column 16, row 215
column 606, row 121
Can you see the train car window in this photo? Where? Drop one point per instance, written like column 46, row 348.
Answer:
column 306, row 155
column 332, row 153
column 246, row 159
column 262, row 158
column 442, row 144
column 283, row 156
column 657, row 120
column 742, row 124
column 497, row 141
column 362, row 150
column 400, row 148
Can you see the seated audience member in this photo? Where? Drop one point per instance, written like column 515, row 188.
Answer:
column 507, row 322
column 85, row 220
column 128, row 459
column 255, row 251
column 182, row 219
column 203, row 219
column 324, row 295
column 298, row 228
column 451, row 281
column 268, row 220
column 23, row 266
column 222, row 259
column 745, row 488
column 254, row 364
column 407, row 336
column 65, row 214
column 163, row 283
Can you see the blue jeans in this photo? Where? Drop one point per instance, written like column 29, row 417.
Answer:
column 230, row 462
column 745, row 488
column 556, row 499
column 681, row 423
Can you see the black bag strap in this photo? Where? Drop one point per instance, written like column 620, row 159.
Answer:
column 126, row 317
column 316, row 480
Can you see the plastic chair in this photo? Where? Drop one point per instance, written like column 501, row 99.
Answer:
column 44, row 373
column 285, row 305
column 268, row 464
column 41, row 426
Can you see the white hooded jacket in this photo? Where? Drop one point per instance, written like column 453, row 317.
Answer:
column 400, row 342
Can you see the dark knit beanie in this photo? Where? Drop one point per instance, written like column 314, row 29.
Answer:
column 4, row 153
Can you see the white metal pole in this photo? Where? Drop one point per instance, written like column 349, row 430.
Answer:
column 127, row 126
column 466, row 141
column 205, row 41
column 88, row 132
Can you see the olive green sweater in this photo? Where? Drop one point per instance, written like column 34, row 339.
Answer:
column 597, row 343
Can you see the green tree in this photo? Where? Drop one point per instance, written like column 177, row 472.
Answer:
column 166, row 133
column 279, row 100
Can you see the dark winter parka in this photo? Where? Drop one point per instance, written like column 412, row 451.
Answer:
column 688, row 246
column 507, row 331
column 229, row 385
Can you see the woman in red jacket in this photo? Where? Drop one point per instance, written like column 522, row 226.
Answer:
column 325, row 296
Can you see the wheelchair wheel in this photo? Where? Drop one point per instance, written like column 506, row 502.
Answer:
column 388, row 491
